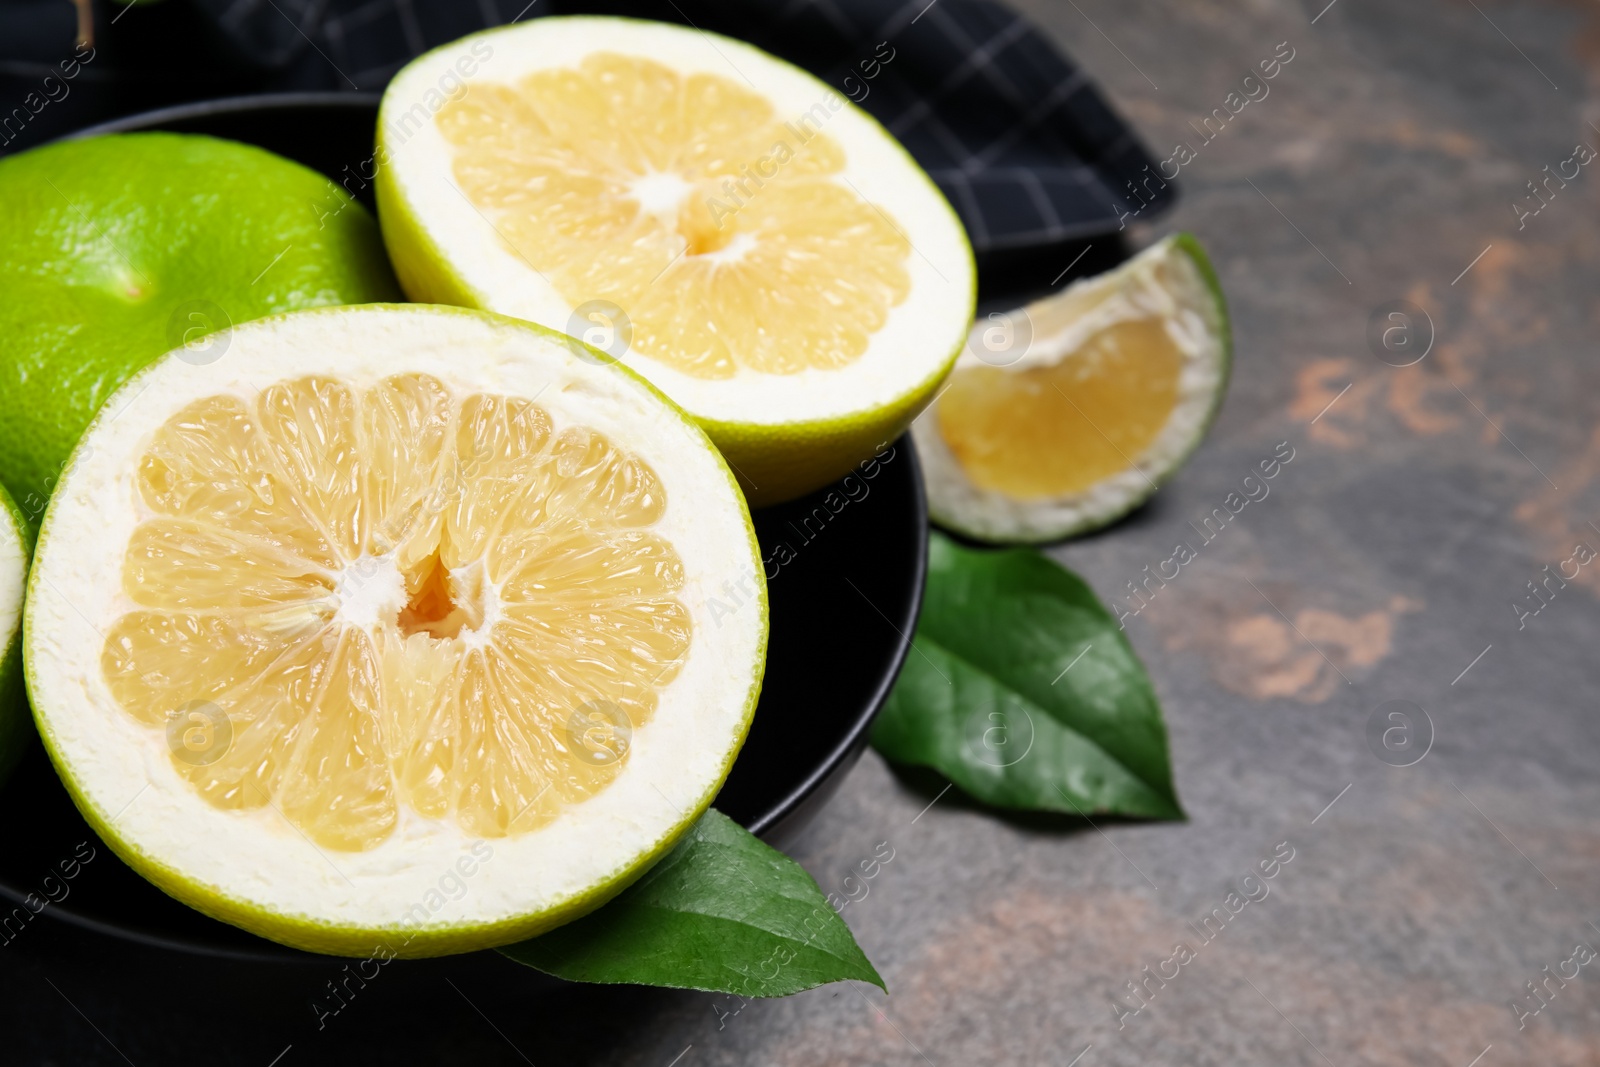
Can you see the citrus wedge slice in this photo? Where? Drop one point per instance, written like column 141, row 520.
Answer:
column 389, row 631
column 1065, row 415
column 732, row 228
column 15, row 727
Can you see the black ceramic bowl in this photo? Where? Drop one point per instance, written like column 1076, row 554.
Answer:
column 843, row 606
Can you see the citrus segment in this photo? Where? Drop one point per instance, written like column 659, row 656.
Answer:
column 402, row 580
column 1068, row 413
column 1027, row 433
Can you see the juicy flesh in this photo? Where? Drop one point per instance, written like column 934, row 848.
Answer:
column 396, row 596
column 713, row 222
column 1050, row 431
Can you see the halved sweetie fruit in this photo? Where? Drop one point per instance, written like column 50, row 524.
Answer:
column 16, row 730
column 1063, row 416
column 390, row 628
column 729, row 226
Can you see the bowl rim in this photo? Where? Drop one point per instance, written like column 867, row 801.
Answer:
column 850, row 744
column 855, row 738
column 224, row 105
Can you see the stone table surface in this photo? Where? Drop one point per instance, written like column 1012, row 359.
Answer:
column 1387, row 564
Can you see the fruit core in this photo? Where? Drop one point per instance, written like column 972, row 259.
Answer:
column 719, row 226
column 394, row 601
column 442, row 604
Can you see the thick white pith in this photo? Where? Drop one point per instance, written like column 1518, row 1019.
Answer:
column 256, row 860
column 909, row 349
column 1188, row 308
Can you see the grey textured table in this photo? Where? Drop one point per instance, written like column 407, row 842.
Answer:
column 1388, row 555
column 1385, row 565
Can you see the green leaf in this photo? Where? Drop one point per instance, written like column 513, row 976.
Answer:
column 1022, row 690
column 722, row 912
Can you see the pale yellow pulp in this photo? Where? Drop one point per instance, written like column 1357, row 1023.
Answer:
column 1049, row 431
column 397, row 598
column 721, row 229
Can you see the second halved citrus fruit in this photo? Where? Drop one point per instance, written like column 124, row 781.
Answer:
column 734, row 229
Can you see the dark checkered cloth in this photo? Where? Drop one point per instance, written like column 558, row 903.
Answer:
column 1019, row 140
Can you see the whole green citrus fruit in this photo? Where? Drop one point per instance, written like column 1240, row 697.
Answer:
column 117, row 249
